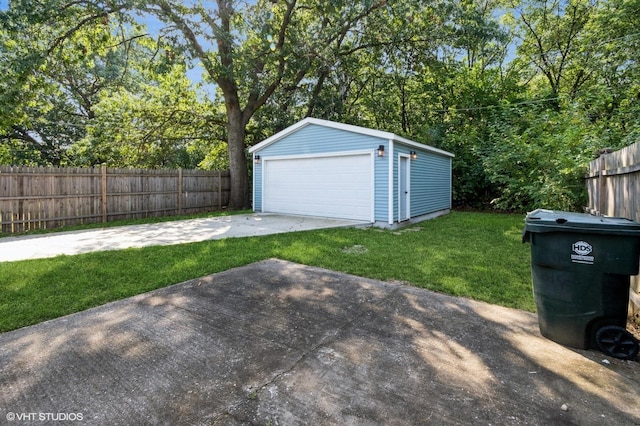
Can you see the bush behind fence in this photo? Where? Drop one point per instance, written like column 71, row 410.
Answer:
column 50, row 197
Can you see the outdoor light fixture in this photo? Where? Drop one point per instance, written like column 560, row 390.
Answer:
column 413, row 155
column 256, row 159
column 381, row 151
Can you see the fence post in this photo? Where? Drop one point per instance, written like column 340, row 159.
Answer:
column 104, row 192
column 180, row 190
column 602, row 185
column 219, row 190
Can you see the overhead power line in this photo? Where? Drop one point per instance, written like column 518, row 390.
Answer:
column 513, row 104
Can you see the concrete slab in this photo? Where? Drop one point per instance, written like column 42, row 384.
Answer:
column 165, row 233
column 277, row 343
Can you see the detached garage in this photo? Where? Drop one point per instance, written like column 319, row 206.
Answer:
column 328, row 169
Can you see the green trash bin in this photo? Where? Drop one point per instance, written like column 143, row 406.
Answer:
column 580, row 267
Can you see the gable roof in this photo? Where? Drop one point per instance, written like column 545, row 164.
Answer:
column 387, row 136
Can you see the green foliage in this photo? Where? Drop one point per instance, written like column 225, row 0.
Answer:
column 538, row 159
column 103, row 91
column 160, row 123
column 611, row 102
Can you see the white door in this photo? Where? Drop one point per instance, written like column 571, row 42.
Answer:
column 339, row 186
column 403, row 189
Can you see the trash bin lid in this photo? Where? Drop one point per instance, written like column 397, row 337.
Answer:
column 542, row 220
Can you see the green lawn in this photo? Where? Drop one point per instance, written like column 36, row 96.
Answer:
column 476, row 255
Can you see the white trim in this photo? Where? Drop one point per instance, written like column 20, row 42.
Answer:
column 390, row 196
column 262, row 169
column 408, row 171
column 349, row 128
column 372, row 185
column 423, row 147
column 372, row 200
column 253, row 177
column 319, row 154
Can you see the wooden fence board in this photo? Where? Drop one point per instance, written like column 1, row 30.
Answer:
column 49, row 197
column 613, row 184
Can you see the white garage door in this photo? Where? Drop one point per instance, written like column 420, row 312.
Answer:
column 332, row 186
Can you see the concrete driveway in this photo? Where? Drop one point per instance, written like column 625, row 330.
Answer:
column 277, row 343
column 165, row 233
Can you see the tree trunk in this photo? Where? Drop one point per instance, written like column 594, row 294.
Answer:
column 239, row 174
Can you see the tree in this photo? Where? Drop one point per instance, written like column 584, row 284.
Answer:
column 252, row 51
column 51, row 82
column 50, row 78
column 96, row 88
column 551, row 43
column 159, row 123
column 611, row 100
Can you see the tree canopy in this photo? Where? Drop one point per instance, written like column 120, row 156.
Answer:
column 524, row 93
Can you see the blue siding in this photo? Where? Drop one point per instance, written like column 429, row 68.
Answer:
column 430, row 182
column 314, row 139
column 381, row 179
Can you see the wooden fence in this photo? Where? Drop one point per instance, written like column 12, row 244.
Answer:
column 613, row 183
column 49, row 197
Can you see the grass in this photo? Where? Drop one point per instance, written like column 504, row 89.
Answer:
column 476, row 255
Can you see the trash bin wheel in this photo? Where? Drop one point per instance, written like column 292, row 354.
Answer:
column 617, row 342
